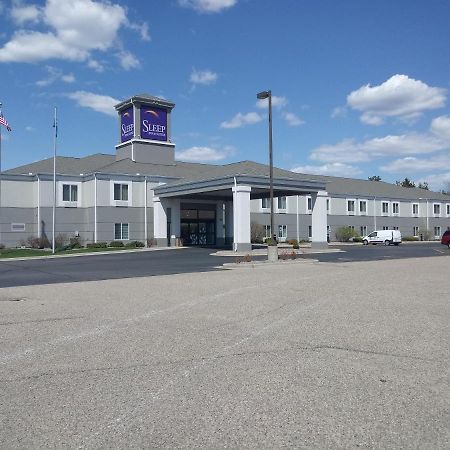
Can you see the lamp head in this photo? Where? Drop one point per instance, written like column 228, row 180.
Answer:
column 262, row 95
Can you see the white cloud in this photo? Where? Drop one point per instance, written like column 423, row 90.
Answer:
column 142, row 29
column 335, row 169
column 436, row 182
column 96, row 65
column 239, row 120
column 75, row 30
column 100, row 103
column 339, row 111
column 22, row 14
column 54, row 74
column 411, row 164
column 438, row 138
column 198, row 154
column 204, row 77
column 29, row 129
column 399, row 96
column 277, row 102
column 207, row 6
column 292, row 119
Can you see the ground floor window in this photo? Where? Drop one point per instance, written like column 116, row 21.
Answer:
column 415, row 231
column 437, row 232
column 267, row 232
column 363, row 230
column 385, row 228
column 121, row 231
column 282, row 232
column 310, row 231
column 395, row 228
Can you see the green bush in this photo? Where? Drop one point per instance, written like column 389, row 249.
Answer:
column 271, row 242
column 75, row 243
column 257, row 233
column 116, row 244
column 357, row 239
column 410, row 238
column 294, row 243
column 97, row 245
column 134, row 244
column 344, row 234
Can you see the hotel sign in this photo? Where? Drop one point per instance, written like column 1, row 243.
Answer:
column 127, row 124
column 153, row 123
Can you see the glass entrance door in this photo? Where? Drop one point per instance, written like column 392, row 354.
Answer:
column 198, row 227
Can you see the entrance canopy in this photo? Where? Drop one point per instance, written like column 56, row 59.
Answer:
column 221, row 188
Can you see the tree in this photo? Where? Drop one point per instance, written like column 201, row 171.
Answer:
column 407, row 183
column 374, row 178
column 423, row 185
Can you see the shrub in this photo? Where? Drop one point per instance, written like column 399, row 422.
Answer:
column 257, row 233
column 247, row 258
column 74, row 242
column 151, row 242
column 60, row 241
column 427, row 235
column 97, row 245
column 134, row 244
column 2, row 246
column 294, row 243
column 36, row 242
column 357, row 239
column 344, row 234
column 116, row 244
column 410, row 238
column 271, row 242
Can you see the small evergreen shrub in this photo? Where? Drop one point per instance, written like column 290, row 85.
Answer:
column 116, row 244
column 134, row 244
column 410, row 238
column 97, row 245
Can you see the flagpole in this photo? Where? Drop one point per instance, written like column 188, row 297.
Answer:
column 0, row 177
column 55, row 125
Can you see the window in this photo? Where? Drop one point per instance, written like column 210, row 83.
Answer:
column 121, row 192
column 395, row 228
column 363, row 207
column 121, row 231
column 281, row 202
column 70, row 193
column 415, row 231
column 267, row 232
column 328, row 205
column 350, row 206
column 415, row 209
column 363, row 230
column 448, row 209
column 385, row 208
column 352, row 227
column 282, row 232
column 309, row 204
column 437, row 232
column 265, row 203
column 395, row 208
column 309, row 231
column 15, row 227
column 436, row 209
column 385, row 228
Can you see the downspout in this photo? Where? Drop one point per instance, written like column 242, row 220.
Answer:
column 95, row 207
column 298, row 224
column 234, row 218
column 375, row 212
column 145, row 213
column 38, row 206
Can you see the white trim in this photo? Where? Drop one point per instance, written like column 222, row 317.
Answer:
column 350, row 213
column 282, row 210
column 447, row 210
column 363, row 213
column 384, row 214
column 122, row 203
column 95, row 207
column 308, row 210
column 413, row 214
column 121, row 231
column 396, row 214
column 440, row 210
column 69, row 204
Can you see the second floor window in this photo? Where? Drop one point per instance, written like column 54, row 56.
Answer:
column 415, row 209
column 362, row 206
column 351, row 206
column 70, row 193
column 437, row 209
column 385, row 207
column 265, row 203
column 281, row 202
column 395, row 208
column 121, row 192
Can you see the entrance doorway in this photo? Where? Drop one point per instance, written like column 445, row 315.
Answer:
column 198, row 225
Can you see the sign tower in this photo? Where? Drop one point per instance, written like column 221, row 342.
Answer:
column 145, row 130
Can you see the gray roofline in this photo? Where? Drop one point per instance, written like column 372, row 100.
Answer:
column 215, row 184
column 148, row 100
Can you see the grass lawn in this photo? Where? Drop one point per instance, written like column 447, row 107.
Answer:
column 30, row 252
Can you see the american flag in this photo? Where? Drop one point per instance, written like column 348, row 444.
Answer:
column 4, row 122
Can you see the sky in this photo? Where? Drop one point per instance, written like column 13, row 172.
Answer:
column 360, row 87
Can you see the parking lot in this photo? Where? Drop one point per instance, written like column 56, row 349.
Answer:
column 187, row 260
column 301, row 354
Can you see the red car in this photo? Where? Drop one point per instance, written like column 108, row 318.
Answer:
column 446, row 238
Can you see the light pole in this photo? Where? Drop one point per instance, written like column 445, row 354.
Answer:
column 262, row 96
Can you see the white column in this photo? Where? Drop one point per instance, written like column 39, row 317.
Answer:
column 175, row 204
column 220, row 224
column 229, row 221
column 319, row 219
column 159, row 222
column 241, row 218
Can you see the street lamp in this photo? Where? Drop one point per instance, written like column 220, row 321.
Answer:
column 262, row 96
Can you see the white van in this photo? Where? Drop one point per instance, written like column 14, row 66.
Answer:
column 386, row 237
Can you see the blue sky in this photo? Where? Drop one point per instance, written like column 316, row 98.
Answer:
column 360, row 87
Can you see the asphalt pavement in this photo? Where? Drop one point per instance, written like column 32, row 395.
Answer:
column 298, row 354
column 172, row 261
